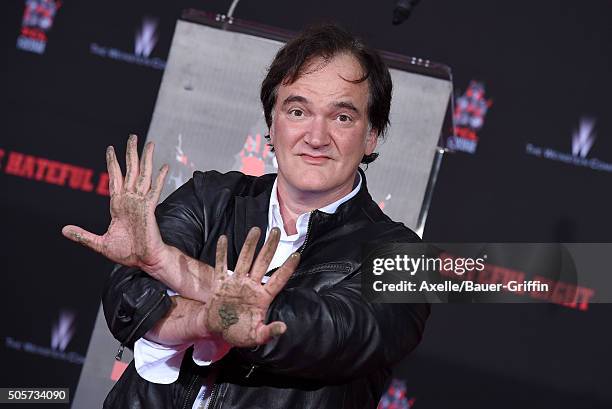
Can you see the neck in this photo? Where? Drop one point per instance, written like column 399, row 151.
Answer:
column 294, row 202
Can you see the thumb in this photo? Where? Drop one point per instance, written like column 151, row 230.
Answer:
column 83, row 237
column 266, row 332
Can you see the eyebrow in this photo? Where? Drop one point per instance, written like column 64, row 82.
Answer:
column 346, row 105
column 294, row 98
column 340, row 104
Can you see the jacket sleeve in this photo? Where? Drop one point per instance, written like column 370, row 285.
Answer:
column 335, row 334
column 132, row 300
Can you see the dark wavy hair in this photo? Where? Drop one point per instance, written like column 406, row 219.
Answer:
column 327, row 41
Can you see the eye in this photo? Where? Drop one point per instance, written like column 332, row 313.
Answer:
column 296, row 112
column 344, row 118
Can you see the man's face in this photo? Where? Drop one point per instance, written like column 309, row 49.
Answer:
column 320, row 128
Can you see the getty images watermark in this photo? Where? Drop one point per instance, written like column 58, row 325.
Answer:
column 443, row 264
column 571, row 274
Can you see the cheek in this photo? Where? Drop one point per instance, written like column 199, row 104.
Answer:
column 286, row 135
column 351, row 144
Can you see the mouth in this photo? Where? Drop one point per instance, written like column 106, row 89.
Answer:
column 314, row 160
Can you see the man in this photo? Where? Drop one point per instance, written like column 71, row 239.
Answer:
column 216, row 336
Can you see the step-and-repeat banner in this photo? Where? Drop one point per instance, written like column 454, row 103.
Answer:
column 532, row 162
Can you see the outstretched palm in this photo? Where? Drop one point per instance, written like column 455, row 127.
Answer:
column 133, row 237
column 239, row 303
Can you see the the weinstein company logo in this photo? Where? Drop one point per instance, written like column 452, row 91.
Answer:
column 146, row 37
column 37, row 21
column 145, row 40
column 583, row 139
column 469, row 115
column 62, row 332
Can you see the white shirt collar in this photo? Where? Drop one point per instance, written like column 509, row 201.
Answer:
column 275, row 218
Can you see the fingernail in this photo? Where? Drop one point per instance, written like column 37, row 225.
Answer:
column 278, row 330
column 132, row 138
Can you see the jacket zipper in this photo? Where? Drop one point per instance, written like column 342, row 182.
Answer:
column 188, row 394
column 127, row 341
column 301, row 249
column 213, row 396
column 215, row 392
column 250, row 371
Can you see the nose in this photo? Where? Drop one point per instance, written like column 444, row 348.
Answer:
column 317, row 136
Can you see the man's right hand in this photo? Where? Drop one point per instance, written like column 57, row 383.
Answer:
column 133, row 238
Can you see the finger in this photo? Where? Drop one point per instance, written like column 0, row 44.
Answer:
column 159, row 183
column 245, row 260
column 81, row 236
column 115, row 178
column 262, row 262
column 280, row 277
column 266, row 332
column 146, row 167
column 131, row 163
column 221, row 259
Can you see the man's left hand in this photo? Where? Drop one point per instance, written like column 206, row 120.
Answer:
column 239, row 303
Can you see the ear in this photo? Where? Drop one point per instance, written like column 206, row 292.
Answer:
column 371, row 141
column 271, row 134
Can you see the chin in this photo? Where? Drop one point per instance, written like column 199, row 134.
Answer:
column 307, row 184
column 310, row 181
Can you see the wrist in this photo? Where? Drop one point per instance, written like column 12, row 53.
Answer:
column 159, row 268
column 200, row 319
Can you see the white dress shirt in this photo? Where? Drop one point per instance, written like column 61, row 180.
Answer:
column 161, row 364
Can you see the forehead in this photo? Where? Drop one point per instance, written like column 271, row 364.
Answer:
column 323, row 80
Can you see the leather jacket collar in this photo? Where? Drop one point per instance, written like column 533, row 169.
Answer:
column 252, row 211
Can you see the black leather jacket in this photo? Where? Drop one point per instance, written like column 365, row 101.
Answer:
column 338, row 348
